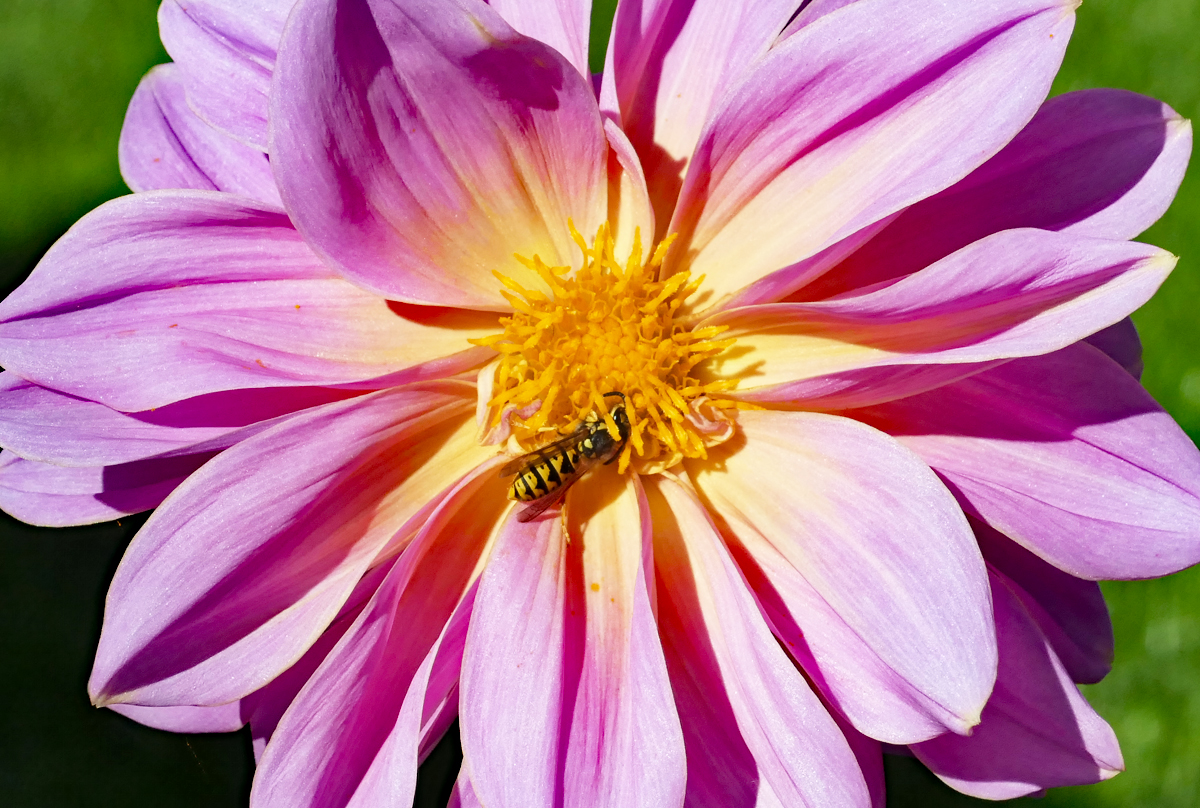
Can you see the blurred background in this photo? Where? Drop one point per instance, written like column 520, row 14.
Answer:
column 67, row 71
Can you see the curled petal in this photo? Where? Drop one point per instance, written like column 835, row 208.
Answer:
column 226, row 52
column 1066, row 455
column 232, row 580
column 59, row 496
column 1102, row 163
column 420, row 144
column 872, row 564
column 854, row 117
column 1037, row 730
column 1016, row 293
column 165, row 145
column 716, row 638
column 166, row 295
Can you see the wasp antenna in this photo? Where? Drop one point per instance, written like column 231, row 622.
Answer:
column 615, row 393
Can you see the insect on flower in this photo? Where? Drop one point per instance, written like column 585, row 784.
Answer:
column 544, row 475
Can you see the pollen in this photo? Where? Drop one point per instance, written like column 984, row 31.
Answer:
column 608, row 327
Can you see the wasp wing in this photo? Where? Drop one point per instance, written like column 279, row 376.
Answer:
column 539, row 455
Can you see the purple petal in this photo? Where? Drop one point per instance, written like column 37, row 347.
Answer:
column 419, row 144
column 668, row 63
column 624, row 744
column 1070, row 612
column 1016, row 293
column 59, row 496
column 561, row 24
column 1066, row 455
column 226, row 51
column 1121, row 343
column 232, row 580
column 1037, row 730
column 166, row 295
column 713, row 631
column 512, row 672
column 41, row 424
column 164, row 145
column 855, row 117
column 874, row 564
column 352, row 735
column 1102, row 163
column 223, row 718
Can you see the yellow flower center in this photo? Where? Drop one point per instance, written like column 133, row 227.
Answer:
column 605, row 328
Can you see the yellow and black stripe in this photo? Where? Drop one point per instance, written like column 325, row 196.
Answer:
column 540, row 478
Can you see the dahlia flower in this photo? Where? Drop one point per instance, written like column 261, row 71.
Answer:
column 864, row 292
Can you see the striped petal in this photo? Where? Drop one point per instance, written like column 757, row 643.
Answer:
column 420, row 144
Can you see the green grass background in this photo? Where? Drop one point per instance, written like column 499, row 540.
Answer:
column 67, row 70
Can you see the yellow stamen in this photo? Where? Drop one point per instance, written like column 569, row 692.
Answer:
column 609, row 326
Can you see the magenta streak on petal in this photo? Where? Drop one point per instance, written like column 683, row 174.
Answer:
column 352, row 736
column 165, row 145
column 1066, row 455
column 1070, row 611
column 1102, row 163
column 41, row 424
column 60, row 496
column 419, row 144
column 1037, row 730
column 225, row 50
column 233, row 579
column 710, row 619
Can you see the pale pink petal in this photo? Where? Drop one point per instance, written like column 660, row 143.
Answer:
column 226, row 51
column 1070, row 611
column 351, row 737
column 1066, row 455
column 420, row 144
column 624, row 746
column 231, row 581
column 862, row 113
column 223, row 718
column 629, row 208
column 850, row 526
column 59, row 496
column 1037, row 730
column 561, row 24
column 869, row 753
column 166, row 295
column 41, row 424
column 1016, row 293
column 463, row 795
column 165, row 145
column 668, row 63
column 511, row 689
column 713, row 630
column 1102, row 163
column 810, row 12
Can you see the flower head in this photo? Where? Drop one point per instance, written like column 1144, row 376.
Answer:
column 870, row 339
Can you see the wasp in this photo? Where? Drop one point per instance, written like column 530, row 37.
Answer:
column 544, row 475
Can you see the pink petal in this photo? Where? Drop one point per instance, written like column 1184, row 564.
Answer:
column 1069, row 611
column 226, row 50
column 165, row 145
column 41, row 424
column 231, row 581
column 624, row 744
column 1121, row 343
column 419, row 144
column 223, row 718
column 512, row 685
column 668, row 63
column 352, row 735
column 1103, row 163
column 172, row 294
column 860, row 539
column 629, row 206
column 1037, row 730
column 1068, row 456
column 561, row 24
column 1016, row 293
column 714, row 632
column 463, row 795
column 59, row 496
column 854, row 117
